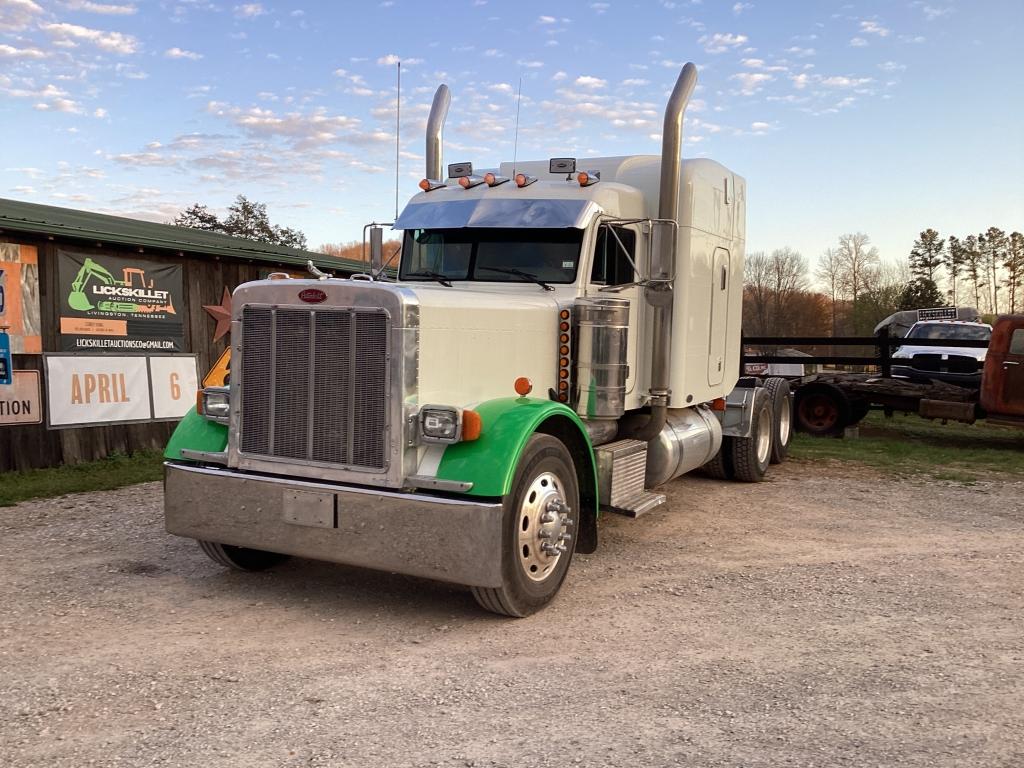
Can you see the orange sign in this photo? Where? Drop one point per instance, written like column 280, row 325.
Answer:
column 80, row 326
column 19, row 297
column 21, row 403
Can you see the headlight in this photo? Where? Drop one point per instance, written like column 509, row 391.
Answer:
column 214, row 403
column 439, row 424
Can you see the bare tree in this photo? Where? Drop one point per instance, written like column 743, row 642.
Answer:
column 788, row 274
column 828, row 273
column 857, row 258
column 757, row 289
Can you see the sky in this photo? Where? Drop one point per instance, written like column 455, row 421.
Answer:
column 871, row 116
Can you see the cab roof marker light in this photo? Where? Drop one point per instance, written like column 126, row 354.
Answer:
column 468, row 182
column 524, row 180
column 586, row 178
column 494, row 179
column 429, row 185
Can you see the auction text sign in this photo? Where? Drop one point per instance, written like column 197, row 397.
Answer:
column 21, row 403
column 93, row 389
column 111, row 304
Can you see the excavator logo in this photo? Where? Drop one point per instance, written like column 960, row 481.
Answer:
column 108, row 294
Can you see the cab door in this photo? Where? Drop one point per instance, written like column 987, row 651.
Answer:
column 613, row 258
column 1002, row 390
column 719, row 326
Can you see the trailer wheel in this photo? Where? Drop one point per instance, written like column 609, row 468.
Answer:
column 822, row 410
column 241, row 558
column 720, row 467
column 752, row 455
column 782, row 418
column 541, row 517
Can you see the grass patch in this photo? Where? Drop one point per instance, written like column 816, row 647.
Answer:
column 107, row 474
column 910, row 445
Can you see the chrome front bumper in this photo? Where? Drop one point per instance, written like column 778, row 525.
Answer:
column 437, row 538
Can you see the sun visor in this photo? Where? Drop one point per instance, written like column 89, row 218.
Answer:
column 501, row 213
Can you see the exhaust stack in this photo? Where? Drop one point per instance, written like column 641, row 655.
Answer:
column 660, row 295
column 435, row 126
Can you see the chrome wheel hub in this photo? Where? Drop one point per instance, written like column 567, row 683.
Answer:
column 764, row 435
column 544, row 523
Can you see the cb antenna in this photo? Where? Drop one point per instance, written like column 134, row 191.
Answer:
column 515, row 141
column 398, row 134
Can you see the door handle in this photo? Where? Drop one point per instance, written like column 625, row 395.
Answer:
column 1008, row 363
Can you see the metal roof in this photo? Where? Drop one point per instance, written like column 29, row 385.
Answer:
column 16, row 216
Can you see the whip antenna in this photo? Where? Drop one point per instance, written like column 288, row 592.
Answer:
column 398, row 134
column 515, row 142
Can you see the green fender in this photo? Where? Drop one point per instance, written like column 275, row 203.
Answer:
column 198, row 434
column 490, row 461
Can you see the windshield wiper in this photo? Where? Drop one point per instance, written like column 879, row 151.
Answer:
column 518, row 273
column 436, row 276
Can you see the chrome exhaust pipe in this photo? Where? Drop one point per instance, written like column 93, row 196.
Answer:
column 435, row 126
column 660, row 295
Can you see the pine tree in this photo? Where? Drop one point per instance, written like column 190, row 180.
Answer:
column 920, row 293
column 954, row 263
column 1014, row 265
column 927, row 255
column 974, row 268
column 993, row 248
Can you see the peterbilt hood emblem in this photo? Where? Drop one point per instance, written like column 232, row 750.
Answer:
column 312, row 296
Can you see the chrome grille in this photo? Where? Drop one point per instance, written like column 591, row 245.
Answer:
column 314, row 385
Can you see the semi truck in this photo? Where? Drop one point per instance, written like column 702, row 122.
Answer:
column 559, row 340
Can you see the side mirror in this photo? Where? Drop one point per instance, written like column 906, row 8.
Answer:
column 661, row 254
column 376, row 248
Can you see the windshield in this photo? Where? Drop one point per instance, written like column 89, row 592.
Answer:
column 960, row 332
column 491, row 255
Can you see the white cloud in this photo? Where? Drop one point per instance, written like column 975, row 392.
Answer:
column 720, row 42
column 532, row 64
column 800, row 53
column 559, row 76
column 760, row 127
column 931, row 12
column 180, row 53
column 114, row 42
column 841, row 81
column 391, row 59
column 751, row 82
column 546, row 20
column 874, row 28
column 249, row 10
column 500, row 87
column 635, row 81
column 99, row 112
column 102, row 8
column 761, row 65
column 892, row 66
column 858, row 42
column 600, row 8
column 16, row 15
column 589, row 81
column 10, row 52
column 739, row 8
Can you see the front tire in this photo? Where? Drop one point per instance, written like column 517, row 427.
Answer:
column 540, row 520
column 241, row 558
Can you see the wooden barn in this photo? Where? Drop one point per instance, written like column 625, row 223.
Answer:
column 109, row 321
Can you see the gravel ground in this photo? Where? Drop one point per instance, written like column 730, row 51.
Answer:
column 829, row 617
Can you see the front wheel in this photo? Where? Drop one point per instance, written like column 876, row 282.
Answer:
column 540, row 520
column 241, row 558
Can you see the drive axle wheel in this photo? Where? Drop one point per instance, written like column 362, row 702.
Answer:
column 752, row 455
column 782, row 418
column 241, row 558
column 541, row 515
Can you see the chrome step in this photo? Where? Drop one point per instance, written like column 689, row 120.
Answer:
column 621, row 471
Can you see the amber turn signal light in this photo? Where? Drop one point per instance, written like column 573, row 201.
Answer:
column 523, row 386
column 472, row 425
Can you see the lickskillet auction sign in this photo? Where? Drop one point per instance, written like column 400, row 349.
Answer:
column 114, row 305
